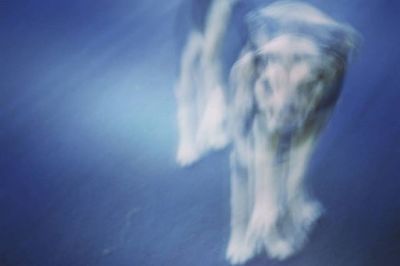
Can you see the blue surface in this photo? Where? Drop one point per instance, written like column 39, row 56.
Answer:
column 88, row 136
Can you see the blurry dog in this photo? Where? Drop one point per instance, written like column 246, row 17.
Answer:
column 285, row 85
column 283, row 88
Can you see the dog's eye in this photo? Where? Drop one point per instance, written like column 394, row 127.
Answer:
column 266, row 60
column 266, row 86
column 263, row 87
column 261, row 61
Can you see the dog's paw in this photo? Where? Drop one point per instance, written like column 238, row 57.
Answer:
column 306, row 213
column 261, row 223
column 187, row 155
column 238, row 252
column 279, row 249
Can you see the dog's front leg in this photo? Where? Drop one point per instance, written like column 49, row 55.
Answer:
column 266, row 191
column 303, row 210
column 238, row 250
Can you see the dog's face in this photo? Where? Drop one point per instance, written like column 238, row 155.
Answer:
column 290, row 81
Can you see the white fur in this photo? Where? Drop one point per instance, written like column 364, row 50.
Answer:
column 200, row 92
column 284, row 88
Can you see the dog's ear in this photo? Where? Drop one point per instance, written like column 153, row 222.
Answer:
column 350, row 41
column 242, row 102
column 339, row 43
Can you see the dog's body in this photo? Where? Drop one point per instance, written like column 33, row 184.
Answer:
column 279, row 108
column 284, row 87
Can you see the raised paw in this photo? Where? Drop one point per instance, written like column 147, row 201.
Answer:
column 186, row 155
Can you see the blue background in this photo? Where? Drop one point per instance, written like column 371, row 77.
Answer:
column 88, row 138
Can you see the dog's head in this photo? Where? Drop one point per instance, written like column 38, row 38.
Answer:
column 291, row 68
